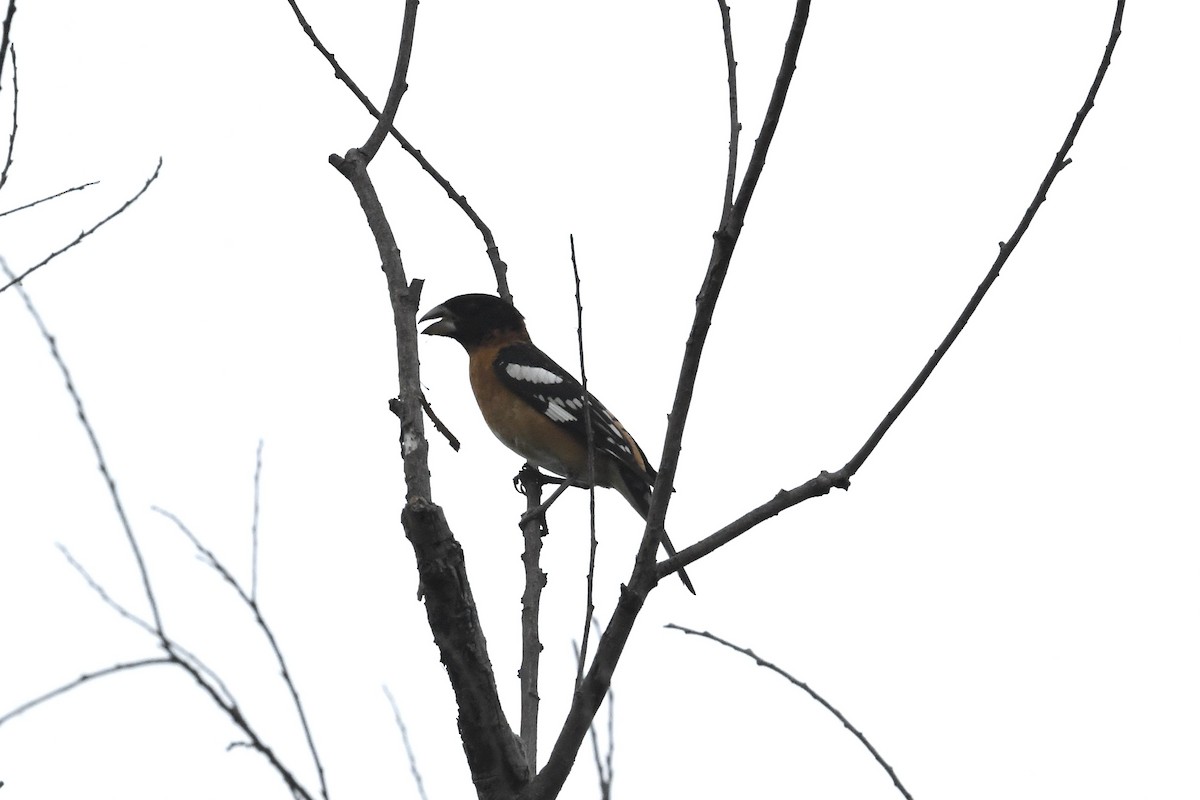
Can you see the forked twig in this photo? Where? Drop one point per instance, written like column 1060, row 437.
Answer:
column 251, row 603
column 15, row 279
column 48, row 198
column 826, row 481
column 399, row 83
column 205, row 677
column 83, row 417
column 493, row 251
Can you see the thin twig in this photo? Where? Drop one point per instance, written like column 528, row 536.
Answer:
column 588, row 697
column 254, row 524
column 438, row 425
column 807, row 689
column 603, row 766
column 399, row 83
column 204, row 676
column 211, row 559
column 8, row 18
column 412, row 759
column 82, row 679
column 173, row 648
column 735, row 127
column 87, row 426
column 591, row 473
column 1006, row 248
column 12, row 135
column 724, row 241
column 493, row 251
column 105, row 597
column 48, row 198
column 826, row 481
column 14, row 279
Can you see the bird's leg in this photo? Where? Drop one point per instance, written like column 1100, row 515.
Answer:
column 542, row 477
column 564, row 484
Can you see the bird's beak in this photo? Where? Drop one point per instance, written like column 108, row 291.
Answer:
column 444, row 326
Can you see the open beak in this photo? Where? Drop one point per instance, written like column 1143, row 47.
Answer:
column 444, row 326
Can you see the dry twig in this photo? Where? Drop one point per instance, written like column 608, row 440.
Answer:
column 762, row 662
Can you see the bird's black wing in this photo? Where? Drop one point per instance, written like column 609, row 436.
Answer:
column 543, row 384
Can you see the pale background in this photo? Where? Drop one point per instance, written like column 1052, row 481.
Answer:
column 1005, row 601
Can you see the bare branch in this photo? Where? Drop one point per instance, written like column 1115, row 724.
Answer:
column 399, row 83
column 455, row 445
column 533, row 528
column 603, row 766
column 404, row 300
column 821, row 484
column 591, row 691
column 14, row 279
column 412, row 759
column 724, row 241
column 48, row 198
column 493, row 251
column 105, row 597
column 12, row 134
column 808, row 689
column 87, row 425
column 495, row 754
column 1006, row 248
column 234, row 712
column 204, row 676
column 172, row 647
column 250, row 602
column 735, row 127
column 783, row 499
column 589, row 438
column 8, row 18
column 81, row 680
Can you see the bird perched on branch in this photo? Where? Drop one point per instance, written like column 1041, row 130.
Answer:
column 536, row 408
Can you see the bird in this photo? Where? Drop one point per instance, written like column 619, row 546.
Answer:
column 536, row 408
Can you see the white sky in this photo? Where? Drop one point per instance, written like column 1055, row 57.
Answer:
column 1006, row 600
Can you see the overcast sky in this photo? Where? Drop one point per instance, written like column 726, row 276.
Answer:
column 1005, row 601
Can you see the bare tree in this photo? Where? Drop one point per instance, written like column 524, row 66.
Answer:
column 504, row 762
column 501, row 761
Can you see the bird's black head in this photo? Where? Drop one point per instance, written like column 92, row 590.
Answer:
column 471, row 319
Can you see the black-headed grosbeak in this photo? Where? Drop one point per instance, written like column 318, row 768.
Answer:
column 536, row 408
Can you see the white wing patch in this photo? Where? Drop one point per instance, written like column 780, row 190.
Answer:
column 521, row 372
column 556, row 410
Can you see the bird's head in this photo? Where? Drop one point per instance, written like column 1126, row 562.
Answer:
column 471, row 319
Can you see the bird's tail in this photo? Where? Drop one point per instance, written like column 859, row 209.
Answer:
column 638, row 491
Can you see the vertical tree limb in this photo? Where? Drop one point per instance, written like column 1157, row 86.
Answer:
column 591, row 691
column 533, row 528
